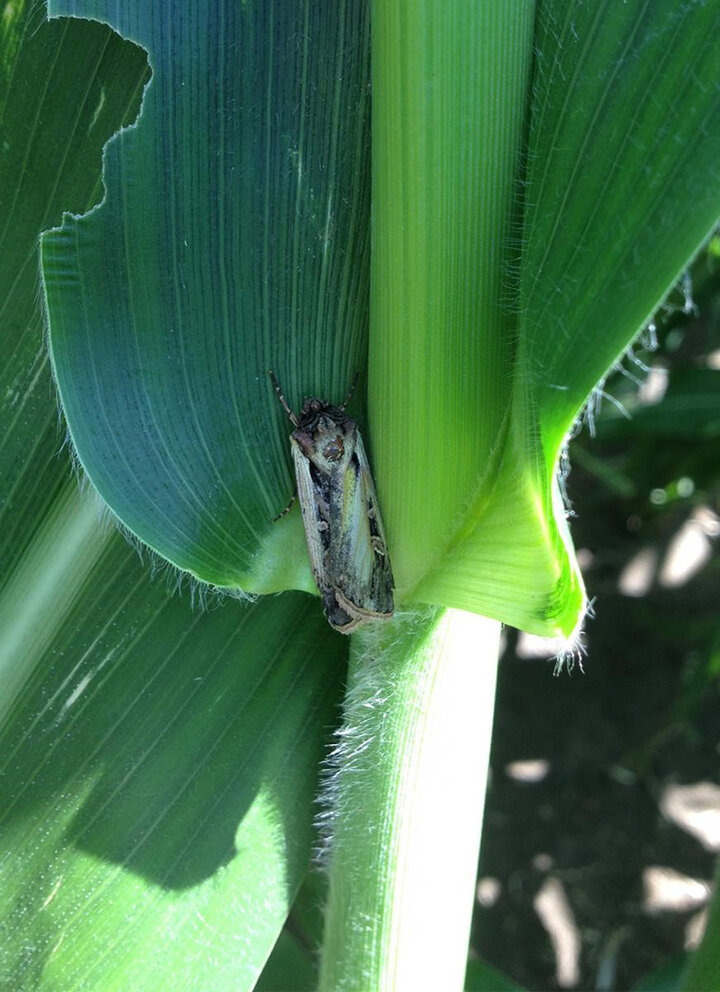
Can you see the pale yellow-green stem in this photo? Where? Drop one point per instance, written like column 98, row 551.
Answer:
column 406, row 799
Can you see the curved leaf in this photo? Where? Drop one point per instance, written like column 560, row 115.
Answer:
column 494, row 320
column 233, row 239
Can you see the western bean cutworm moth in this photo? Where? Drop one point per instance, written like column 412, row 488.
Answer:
column 343, row 529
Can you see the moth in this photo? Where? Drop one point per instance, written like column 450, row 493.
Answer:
column 340, row 512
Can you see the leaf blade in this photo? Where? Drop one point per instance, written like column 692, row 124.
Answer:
column 585, row 259
column 233, row 239
column 170, row 768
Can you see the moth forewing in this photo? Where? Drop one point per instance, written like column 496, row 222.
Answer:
column 365, row 583
column 314, row 514
column 343, row 529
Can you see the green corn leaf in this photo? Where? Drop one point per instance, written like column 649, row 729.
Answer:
column 497, row 313
column 158, row 763
column 154, row 758
column 53, row 125
column 540, row 179
column 233, row 239
column 158, row 773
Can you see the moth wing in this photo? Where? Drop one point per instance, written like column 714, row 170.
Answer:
column 315, row 515
column 361, row 575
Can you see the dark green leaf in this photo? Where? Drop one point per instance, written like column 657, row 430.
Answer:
column 233, row 239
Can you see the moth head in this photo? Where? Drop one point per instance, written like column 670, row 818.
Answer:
column 319, row 416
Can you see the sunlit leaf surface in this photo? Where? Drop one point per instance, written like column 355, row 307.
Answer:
column 157, row 777
column 614, row 185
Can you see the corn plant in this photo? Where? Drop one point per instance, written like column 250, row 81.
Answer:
column 476, row 206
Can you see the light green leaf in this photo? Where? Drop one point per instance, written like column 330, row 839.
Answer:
column 516, row 268
column 158, row 774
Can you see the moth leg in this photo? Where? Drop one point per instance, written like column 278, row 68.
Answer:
column 286, row 408
column 353, row 384
column 287, row 509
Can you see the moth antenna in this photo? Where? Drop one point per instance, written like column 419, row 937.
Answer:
column 353, row 384
column 276, row 387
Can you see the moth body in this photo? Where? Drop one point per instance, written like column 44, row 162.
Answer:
column 343, row 527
